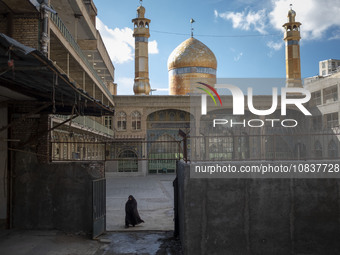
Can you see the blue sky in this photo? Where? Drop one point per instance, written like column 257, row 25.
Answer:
column 246, row 36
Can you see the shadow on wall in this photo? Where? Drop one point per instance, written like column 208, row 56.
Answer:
column 53, row 196
column 258, row 216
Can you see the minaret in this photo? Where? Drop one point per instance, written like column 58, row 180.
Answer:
column 292, row 38
column 141, row 35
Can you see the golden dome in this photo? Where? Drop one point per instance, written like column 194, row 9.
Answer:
column 190, row 53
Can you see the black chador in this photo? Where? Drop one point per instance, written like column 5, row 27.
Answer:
column 131, row 213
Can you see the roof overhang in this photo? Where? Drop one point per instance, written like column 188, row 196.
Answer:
column 27, row 71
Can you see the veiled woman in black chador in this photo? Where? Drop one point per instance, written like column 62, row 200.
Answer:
column 131, row 213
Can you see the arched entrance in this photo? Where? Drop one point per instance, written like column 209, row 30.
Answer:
column 163, row 154
column 164, row 143
column 128, row 161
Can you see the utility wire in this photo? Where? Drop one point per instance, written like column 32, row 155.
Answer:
column 172, row 33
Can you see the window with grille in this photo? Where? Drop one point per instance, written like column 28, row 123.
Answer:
column 121, row 121
column 315, row 98
column 332, row 120
column 136, row 120
column 108, row 122
column 330, row 94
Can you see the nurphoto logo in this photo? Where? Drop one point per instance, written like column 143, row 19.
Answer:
column 301, row 96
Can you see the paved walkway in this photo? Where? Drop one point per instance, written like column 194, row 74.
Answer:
column 154, row 194
column 155, row 198
column 18, row 242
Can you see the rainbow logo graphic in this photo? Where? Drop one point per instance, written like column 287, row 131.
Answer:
column 209, row 93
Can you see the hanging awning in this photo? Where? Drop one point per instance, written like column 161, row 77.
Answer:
column 28, row 72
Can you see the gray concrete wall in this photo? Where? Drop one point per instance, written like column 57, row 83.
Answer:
column 53, row 196
column 258, row 216
column 3, row 167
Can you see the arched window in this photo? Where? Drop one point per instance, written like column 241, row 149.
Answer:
column 141, row 24
column 182, row 116
column 332, row 149
column 121, row 121
column 152, row 117
column 317, row 150
column 300, row 150
column 136, row 120
column 162, row 115
column 172, row 116
column 146, row 24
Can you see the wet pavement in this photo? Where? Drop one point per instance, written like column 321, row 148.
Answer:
column 156, row 243
column 112, row 243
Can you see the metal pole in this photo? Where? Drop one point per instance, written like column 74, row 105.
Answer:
column 44, row 35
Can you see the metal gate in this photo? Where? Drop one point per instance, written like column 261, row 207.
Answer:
column 99, row 207
column 162, row 166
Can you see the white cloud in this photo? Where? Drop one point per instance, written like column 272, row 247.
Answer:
column 153, row 47
column 125, row 86
column 120, row 43
column 275, row 45
column 335, row 35
column 237, row 58
column 246, row 20
column 316, row 16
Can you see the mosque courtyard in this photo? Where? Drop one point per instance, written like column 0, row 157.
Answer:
column 155, row 198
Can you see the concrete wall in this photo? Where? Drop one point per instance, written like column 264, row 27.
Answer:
column 45, row 195
column 258, row 216
column 3, row 168
column 53, row 196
